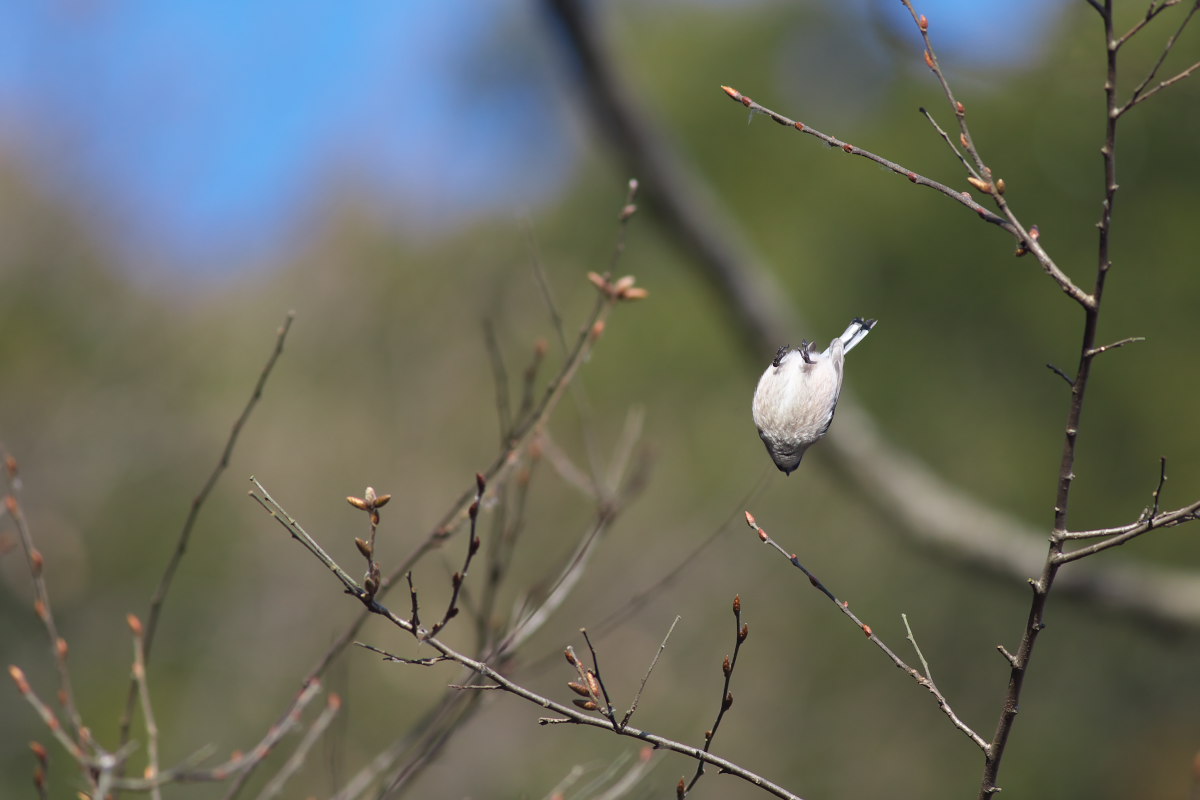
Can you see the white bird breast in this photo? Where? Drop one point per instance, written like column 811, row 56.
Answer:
column 795, row 401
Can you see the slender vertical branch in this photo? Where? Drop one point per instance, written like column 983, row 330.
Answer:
column 1041, row 587
column 189, row 523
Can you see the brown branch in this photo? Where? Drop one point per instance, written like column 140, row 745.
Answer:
column 566, row 714
column 1139, row 92
column 924, row 507
column 1152, row 11
column 740, row 632
column 43, row 609
column 185, row 533
column 957, row 195
column 1121, row 535
column 984, row 179
column 921, row 680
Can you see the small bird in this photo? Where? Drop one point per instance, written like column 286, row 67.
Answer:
column 797, row 395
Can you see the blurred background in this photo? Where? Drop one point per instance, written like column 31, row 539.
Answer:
column 174, row 178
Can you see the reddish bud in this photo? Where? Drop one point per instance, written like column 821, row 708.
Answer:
column 750, row 520
column 61, row 649
column 727, row 702
column 569, row 654
column 39, row 751
column 762, row 535
column 598, row 281
column 726, row 667
column 635, row 293
column 135, row 624
column 849, row 148
column 912, row 176
column 799, row 126
column 335, row 701
column 680, row 789
column 1000, row 185
column 743, row 632
column 364, row 547
column 586, row 705
column 540, row 348
column 960, row 108
column 473, row 509
column 36, row 562
column 1034, row 233
column 737, row 604
column 382, row 500
column 623, row 284
column 578, row 688
column 10, row 466
column 867, row 630
column 923, row 23
column 593, row 683
column 962, row 137
column 597, row 329
column 733, row 93
column 480, row 483
column 929, row 59
column 18, row 677
column 10, row 505
column 39, row 608
column 357, row 502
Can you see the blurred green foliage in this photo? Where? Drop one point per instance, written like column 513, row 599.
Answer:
column 116, row 401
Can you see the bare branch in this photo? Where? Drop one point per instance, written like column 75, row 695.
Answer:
column 653, row 663
column 1152, row 11
column 740, row 632
column 565, row 713
column 844, row 607
column 1119, row 536
column 923, row 505
column 1095, row 351
column 189, row 523
column 1139, row 92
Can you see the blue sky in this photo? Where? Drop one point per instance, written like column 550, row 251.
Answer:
column 207, row 137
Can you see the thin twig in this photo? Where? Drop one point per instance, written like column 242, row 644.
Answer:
column 898, row 486
column 844, row 607
column 565, row 713
column 1095, row 351
column 185, row 533
column 982, row 173
column 139, row 676
column 296, row 760
column 653, row 663
column 946, row 137
column 1120, row 536
column 1057, row 371
column 1139, row 93
column 1152, row 11
column 740, row 631
column 44, row 611
column 472, row 548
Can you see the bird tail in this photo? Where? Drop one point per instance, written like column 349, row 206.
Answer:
column 857, row 331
